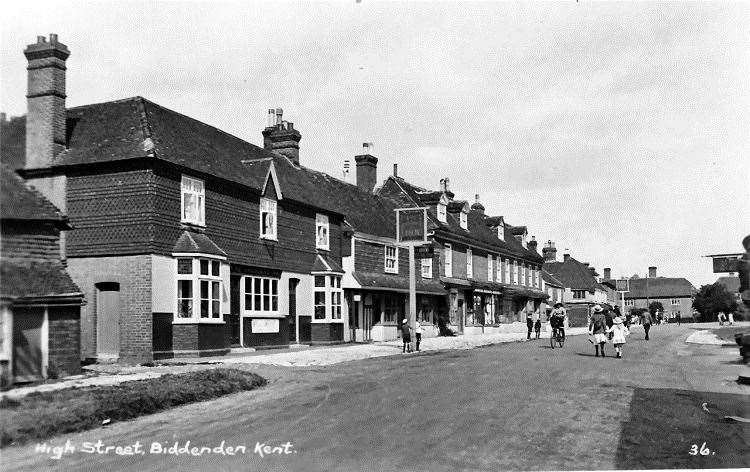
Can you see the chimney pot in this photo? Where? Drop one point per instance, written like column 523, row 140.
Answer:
column 52, row 38
column 652, row 272
column 395, row 170
column 280, row 136
column 607, row 273
column 41, row 39
column 566, row 257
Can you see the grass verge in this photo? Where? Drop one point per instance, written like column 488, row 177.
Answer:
column 727, row 333
column 45, row 414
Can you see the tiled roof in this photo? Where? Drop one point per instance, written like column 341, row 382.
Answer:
column 325, row 264
column 660, row 287
column 478, row 228
column 20, row 202
column 24, row 279
column 375, row 280
column 550, row 279
column 191, row 242
column 732, row 284
column 572, row 274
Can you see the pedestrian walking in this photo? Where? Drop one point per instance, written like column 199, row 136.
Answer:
column 721, row 318
column 730, row 317
column 646, row 321
column 619, row 331
column 529, row 324
column 538, row 327
column 598, row 329
column 418, row 334
column 406, row 335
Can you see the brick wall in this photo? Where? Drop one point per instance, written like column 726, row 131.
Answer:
column 133, row 273
column 64, row 340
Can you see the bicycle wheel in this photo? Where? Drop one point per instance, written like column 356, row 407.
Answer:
column 560, row 340
column 552, row 339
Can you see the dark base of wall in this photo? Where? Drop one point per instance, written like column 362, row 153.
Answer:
column 184, row 354
column 328, row 343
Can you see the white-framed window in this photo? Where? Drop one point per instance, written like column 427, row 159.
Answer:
column 267, row 218
column 464, row 220
column 675, row 301
column 490, row 270
column 442, row 213
column 193, row 201
column 327, row 298
column 391, row 260
column 199, row 289
column 579, row 294
column 629, row 302
column 501, row 232
column 499, row 270
column 448, row 260
column 261, row 295
column 393, row 308
column 427, row 268
column 469, row 264
column 321, row 231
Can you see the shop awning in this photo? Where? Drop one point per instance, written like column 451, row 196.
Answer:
column 397, row 283
column 519, row 292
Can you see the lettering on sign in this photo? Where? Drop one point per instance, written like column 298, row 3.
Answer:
column 411, row 225
column 622, row 285
column 726, row 264
column 265, row 326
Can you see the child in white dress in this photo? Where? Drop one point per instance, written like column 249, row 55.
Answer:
column 619, row 331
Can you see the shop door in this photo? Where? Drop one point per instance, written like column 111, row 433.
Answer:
column 293, row 309
column 28, row 324
column 108, row 320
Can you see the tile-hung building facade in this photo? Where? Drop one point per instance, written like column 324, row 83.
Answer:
column 490, row 274
column 674, row 293
column 187, row 240
column 581, row 291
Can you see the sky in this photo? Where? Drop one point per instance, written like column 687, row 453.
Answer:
column 620, row 131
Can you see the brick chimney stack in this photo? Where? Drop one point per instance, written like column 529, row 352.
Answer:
column 652, row 272
column 477, row 205
column 566, row 257
column 532, row 244
column 549, row 252
column 607, row 273
column 45, row 119
column 367, row 168
column 280, row 136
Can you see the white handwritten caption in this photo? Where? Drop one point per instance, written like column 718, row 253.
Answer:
column 704, row 451
column 167, row 449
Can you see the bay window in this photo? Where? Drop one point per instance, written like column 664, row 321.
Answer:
column 199, row 289
column 193, row 201
column 327, row 296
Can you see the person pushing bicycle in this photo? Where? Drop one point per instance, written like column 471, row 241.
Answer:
column 557, row 320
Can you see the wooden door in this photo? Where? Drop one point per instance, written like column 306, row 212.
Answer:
column 108, row 320
column 28, row 351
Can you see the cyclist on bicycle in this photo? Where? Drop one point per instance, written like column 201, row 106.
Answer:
column 557, row 320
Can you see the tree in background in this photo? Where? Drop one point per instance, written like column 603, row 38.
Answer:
column 653, row 307
column 713, row 298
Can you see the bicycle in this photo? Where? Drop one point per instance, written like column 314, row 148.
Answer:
column 557, row 336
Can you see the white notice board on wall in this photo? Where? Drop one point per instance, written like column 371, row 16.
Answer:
column 265, row 326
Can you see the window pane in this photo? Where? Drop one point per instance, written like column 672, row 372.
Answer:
column 184, row 266
column 266, row 286
column 204, row 267
column 332, row 281
column 266, row 302
column 274, row 287
column 185, row 308
column 257, row 286
column 338, row 282
column 248, row 302
column 185, row 289
column 204, row 308
column 320, row 298
column 248, row 285
column 257, row 306
column 320, row 281
column 320, row 312
column 215, row 268
column 274, row 303
column 204, row 289
column 215, row 309
column 215, row 291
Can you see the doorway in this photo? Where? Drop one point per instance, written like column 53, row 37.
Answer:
column 108, row 320
column 29, row 344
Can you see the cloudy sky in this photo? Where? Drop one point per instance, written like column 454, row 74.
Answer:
column 620, row 131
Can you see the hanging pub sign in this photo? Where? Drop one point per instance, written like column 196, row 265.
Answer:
column 726, row 264
column 622, row 285
column 411, row 225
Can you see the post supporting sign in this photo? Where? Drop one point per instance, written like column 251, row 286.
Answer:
column 623, row 287
column 411, row 231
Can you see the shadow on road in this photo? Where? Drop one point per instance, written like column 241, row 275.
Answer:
column 664, row 424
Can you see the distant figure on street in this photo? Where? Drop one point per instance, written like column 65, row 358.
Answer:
column 418, row 334
column 537, row 327
column 678, row 318
column 722, row 318
column 730, row 318
column 646, row 321
column 598, row 329
column 618, row 332
column 529, row 324
column 406, row 335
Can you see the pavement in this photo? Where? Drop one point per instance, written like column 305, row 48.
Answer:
column 520, row 406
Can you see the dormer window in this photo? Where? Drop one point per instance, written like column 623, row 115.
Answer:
column 501, row 232
column 267, row 218
column 321, row 231
column 464, row 220
column 442, row 212
column 193, row 201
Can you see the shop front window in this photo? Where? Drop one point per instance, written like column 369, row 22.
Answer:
column 261, row 295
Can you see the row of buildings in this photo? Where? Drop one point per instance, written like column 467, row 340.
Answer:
column 132, row 232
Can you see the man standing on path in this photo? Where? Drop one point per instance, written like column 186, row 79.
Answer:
column 418, row 333
column 406, row 335
column 646, row 322
column 529, row 323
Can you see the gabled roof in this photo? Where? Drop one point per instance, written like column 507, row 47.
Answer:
column 478, row 230
column 660, row 287
column 35, row 279
column 550, row 279
column 573, row 274
column 18, row 201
